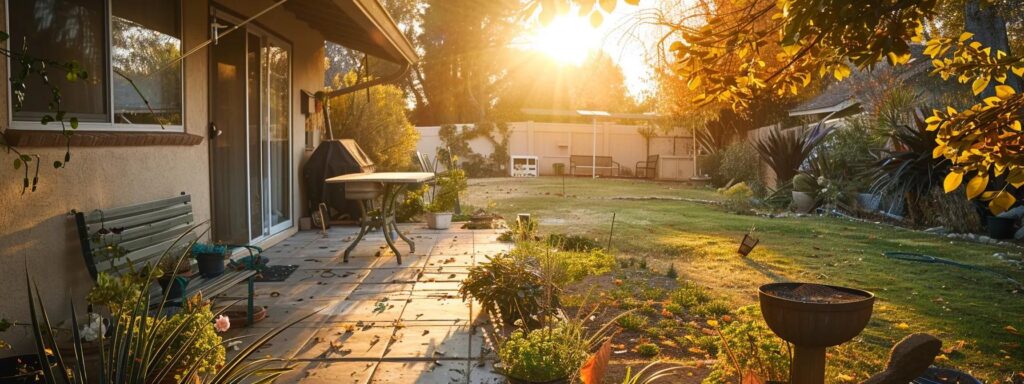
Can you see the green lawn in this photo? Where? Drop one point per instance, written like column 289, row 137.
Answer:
column 701, row 240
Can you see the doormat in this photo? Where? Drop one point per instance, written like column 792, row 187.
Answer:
column 276, row 273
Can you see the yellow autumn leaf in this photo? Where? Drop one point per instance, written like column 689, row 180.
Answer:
column 1015, row 125
column 632, row 2
column 1003, row 201
column 966, row 35
column 977, row 185
column 952, row 181
column 1019, row 71
column 980, row 84
column 596, row 19
column 713, row 323
column 693, row 83
column 903, row 326
column 1010, row 329
column 845, row 378
column 1004, row 91
column 841, row 72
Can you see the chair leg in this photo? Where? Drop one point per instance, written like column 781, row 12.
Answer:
column 252, row 292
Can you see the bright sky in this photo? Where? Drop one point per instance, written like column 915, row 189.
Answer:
column 570, row 38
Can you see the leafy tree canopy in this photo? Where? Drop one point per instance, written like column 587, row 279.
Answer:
column 729, row 51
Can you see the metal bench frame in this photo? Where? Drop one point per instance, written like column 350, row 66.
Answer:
column 586, row 161
column 150, row 229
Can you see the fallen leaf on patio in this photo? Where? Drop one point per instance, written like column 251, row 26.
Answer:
column 425, row 332
column 376, row 339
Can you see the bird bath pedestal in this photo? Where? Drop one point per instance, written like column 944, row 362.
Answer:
column 814, row 317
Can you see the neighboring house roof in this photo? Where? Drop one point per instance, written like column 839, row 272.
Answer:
column 362, row 25
column 840, row 96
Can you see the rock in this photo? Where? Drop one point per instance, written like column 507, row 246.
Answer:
column 1016, row 213
column 984, row 239
column 951, row 235
column 908, row 359
column 1020, row 234
column 937, row 230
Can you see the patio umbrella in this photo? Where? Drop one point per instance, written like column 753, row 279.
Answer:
column 593, row 138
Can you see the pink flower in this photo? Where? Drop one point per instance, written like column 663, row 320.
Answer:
column 222, row 323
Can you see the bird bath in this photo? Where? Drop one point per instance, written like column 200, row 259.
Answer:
column 814, row 317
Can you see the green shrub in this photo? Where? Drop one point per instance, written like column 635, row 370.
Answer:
column 738, row 196
column 648, row 349
column 753, row 346
column 740, row 164
column 512, row 286
column 689, row 295
column 633, row 322
column 805, row 183
column 578, row 243
column 412, row 205
column 564, row 267
column 447, row 188
column 674, row 308
column 714, row 308
column 672, row 273
column 543, row 355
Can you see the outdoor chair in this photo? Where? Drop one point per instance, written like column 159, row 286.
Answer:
column 649, row 168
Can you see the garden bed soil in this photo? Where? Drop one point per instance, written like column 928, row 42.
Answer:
column 624, row 354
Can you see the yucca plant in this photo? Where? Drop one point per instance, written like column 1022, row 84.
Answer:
column 139, row 348
column 784, row 150
column 908, row 170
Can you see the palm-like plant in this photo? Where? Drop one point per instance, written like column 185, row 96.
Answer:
column 139, row 349
column 908, row 170
column 785, row 150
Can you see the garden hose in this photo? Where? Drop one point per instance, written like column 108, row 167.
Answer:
column 922, row 258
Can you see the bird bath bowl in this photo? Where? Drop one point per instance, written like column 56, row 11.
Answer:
column 814, row 317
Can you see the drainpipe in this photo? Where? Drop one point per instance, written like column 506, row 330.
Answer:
column 325, row 97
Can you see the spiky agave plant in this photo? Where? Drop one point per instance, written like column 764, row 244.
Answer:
column 784, row 150
column 139, row 350
column 909, row 170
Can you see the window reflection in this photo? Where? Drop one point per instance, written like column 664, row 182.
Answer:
column 146, row 38
column 63, row 31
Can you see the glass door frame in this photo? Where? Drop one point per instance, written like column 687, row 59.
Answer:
column 219, row 13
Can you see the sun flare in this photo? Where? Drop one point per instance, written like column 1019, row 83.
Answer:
column 567, row 39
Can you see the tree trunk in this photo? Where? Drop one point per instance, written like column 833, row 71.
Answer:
column 989, row 29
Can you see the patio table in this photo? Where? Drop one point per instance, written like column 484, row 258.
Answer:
column 394, row 184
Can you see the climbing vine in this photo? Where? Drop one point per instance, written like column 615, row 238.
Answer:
column 34, row 67
column 477, row 165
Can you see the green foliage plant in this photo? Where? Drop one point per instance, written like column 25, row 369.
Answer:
column 513, row 287
column 740, row 164
column 746, row 345
column 648, row 349
column 456, row 139
column 805, row 183
column 146, row 348
column 784, row 150
column 377, row 120
column 633, row 322
column 648, row 374
column 446, row 191
column 738, row 197
column 578, row 243
column 545, row 354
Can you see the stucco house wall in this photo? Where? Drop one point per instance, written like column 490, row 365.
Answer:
column 36, row 231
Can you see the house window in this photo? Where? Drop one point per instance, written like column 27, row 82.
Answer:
column 129, row 50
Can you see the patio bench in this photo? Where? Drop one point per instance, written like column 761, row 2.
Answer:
column 144, row 232
column 595, row 164
column 648, row 168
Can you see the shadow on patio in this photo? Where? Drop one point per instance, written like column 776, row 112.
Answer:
column 380, row 322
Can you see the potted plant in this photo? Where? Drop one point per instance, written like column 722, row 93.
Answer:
column 805, row 188
column 445, row 198
column 513, row 288
column 546, row 355
column 209, row 258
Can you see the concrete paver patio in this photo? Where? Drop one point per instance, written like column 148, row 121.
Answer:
column 378, row 322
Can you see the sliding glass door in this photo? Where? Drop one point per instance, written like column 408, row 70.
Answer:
column 250, row 148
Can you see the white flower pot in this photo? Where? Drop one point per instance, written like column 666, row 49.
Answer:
column 438, row 220
column 803, row 202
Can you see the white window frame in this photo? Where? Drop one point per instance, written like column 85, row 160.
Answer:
column 107, row 126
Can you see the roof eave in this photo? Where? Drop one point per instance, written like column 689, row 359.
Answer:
column 396, row 42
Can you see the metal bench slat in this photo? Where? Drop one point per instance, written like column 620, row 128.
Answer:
column 148, row 217
column 133, row 233
column 118, row 213
column 141, row 256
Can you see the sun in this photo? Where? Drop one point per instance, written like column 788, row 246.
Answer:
column 567, row 39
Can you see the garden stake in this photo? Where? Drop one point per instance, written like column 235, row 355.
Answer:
column 611, row 233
